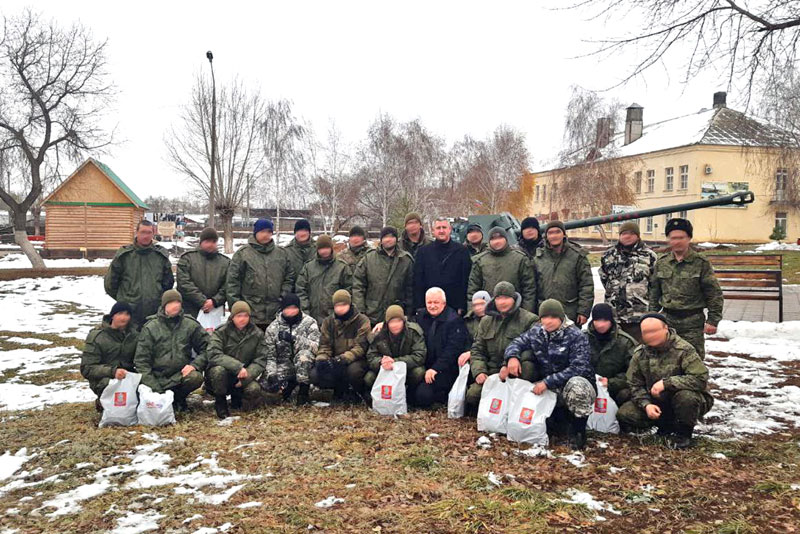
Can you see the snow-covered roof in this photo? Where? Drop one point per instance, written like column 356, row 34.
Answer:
column 719, row 126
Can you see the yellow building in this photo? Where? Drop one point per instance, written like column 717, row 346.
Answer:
column 713, row 152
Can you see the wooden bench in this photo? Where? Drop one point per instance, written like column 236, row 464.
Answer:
column 750, row 277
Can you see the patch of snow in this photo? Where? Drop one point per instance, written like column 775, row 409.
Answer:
column 329, row 502
column 708, row 244
column 614, row 470
column 431, row 436
column 585, row 499
column 537, row 451
column 719, row 456
column 135, row 523
column 20, row 261
column 251, row 504
column 11, row 463
column 320, row 404
column 192, row 518
column 774, row 245
column 28, row 361
column 228, row 421
column 494, row 479
column 15, row 396
column 484, row 442
column 28, row 341
column 576, row 458
column 69, row 502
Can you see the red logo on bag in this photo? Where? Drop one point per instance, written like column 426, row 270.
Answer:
column 600, row 405
column 120, row 398
column 386, row 392
column 494, row 407
column 526, row 416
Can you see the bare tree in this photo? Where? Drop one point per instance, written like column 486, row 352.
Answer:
column 330, row 167
column 744, row 40
column 53, row 91
column 240, row 114
column 379, row 169
column 282, row 136
column 503, row 159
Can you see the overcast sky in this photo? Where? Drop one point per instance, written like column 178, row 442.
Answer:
column 461, row 67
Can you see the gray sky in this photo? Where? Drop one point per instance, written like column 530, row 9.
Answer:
column 461, row 67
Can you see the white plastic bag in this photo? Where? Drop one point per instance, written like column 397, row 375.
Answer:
column 155, row 409
column 456, row 397
column 493, row 408
column 389, row 391
column 604, row 417
column 210, row 321
column 119, row 401
column 528, row 413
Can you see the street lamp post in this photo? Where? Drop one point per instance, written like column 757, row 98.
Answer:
column 212, row 189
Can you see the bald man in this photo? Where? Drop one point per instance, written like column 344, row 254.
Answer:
column 668, row 383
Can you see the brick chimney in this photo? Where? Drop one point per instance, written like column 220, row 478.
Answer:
column 720, row 99
column 633, row 123
column 605, row 131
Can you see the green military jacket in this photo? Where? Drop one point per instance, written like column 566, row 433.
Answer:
column 344, row 339
column 686, row 285
column 509, row 265
column 351, row 256
column 300, row 254
column 259, row 275
column 676, row 363
column 611, row 356
column 139, row 276
column 381, row 280
column 201, row 276
column 106, row 350
column 234, row 349
column 475, row 251
column 405, row 243
column 495, row 332
column 565, row 277
column 408, row 347
column 165, row 346
column 318, row 281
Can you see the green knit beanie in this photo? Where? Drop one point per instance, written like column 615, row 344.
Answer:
column 170, row 295
column 505, row 289
column 552, row 308
column 240, row 306
column 630, row 226
column 394, row 312
column 341, row 296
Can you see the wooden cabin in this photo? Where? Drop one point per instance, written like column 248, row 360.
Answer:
column 91, row 214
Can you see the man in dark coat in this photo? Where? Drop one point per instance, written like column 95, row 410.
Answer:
column 446, row 337
column 445, row 264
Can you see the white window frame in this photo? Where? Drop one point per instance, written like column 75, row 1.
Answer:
column 651, row 181
column 669, row 179
column 684, row 170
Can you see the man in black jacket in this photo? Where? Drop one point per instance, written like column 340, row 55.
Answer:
column 445, row 264
column 445, row 338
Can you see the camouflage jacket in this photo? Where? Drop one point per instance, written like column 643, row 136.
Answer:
column 300, row 254
column 344, row 339
column 405, row 243
column 106, row 350
column 625, row 275
column 318, row 281
column 509, row 265
column 611, row 356
column 676, row 363
column 686, row 285
column 566, row 277
column 494, row 334
column 351, row 256
column 286, row 344
column 408, row 347
column 234, row 349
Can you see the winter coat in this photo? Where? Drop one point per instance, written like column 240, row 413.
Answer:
column 676, row 363
column 165, row 346
column 346, row 339
column 495, row 332
column 507, row 265
column 286, row 344
column 444, row 265
column 408, row 347
column 106, row 350
column 558, row 356
column 351, row 256
column 377, row 284
column 405, row 243
column 234, row 349
column 686, row 285
column 611, row 356
column 299, row 255
column 318, row 281
column 529, row 248
column 565, row 277
column 201, row 276
column 625, row 274
column 139, row 276
column 446, row 337
column 259, row 275
column 474, row 251
column 472, row 322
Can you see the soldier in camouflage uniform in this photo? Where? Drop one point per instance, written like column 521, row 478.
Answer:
column 562, row 358
column 292, row 342
column 682, row 285
column 625, row 271
column 201, row 275
column 668, row 382
column 234, row 359
column 320, row 278
column 474, row 243
column 413, row 237
column 301, row 248
column 357, row 247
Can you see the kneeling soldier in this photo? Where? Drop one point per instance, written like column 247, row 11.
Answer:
column 164, row 350
column 234, row 360
column 668, row 384
column 562, row 358
column 612, row 349
column 341, row 358
column 397, row 341
column 292, row 341
column 109, row 350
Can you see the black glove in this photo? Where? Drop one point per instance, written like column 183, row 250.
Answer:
column 283, row 335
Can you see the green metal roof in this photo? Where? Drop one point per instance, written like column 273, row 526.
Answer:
column 119, row 183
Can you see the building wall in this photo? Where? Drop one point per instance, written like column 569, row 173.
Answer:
column 750, row 224
column 90, row 227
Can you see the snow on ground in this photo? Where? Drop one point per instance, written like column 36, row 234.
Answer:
column 774, row 245
column 19, row 261
column 11, row 463
column 585, row 499
column 20, row 396
column 27, row 361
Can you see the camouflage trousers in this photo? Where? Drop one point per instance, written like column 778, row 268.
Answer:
column 690, row 328
column 220, row 382
column 577, row 396
column 188, row 383
column 682, row 408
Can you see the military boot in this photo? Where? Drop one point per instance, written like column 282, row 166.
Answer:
column 577, row 433
column 682, row 438
column 221, row 406
column 302, row 394
column 236, row 399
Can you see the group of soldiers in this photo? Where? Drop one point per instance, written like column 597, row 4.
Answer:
column 303, row 315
